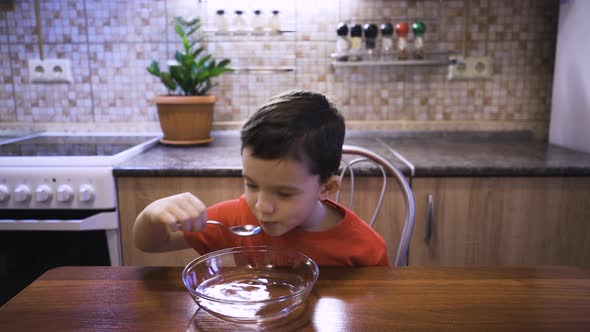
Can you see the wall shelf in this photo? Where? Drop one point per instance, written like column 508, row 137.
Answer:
column 430, row 59
column 263, row 69
column 247, row 32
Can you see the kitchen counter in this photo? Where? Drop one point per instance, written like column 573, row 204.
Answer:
column 487, row 154
column 222, row 158
column 426, row 154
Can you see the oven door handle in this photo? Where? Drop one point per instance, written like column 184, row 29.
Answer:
column 100, row 220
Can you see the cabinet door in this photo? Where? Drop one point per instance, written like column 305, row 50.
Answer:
column 135, row 193
column 390, row 220
column 502, row 221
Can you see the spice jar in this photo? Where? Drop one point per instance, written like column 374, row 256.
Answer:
column 274, row 22
column 386, row 41
column 221, row 21
column 238, row 23
column 342, row 42
column 371, row 31
column 257, row 21
column 401, row 30
column 356, row 38
column 418, row 29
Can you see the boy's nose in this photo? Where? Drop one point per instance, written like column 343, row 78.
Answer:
column 264, row 205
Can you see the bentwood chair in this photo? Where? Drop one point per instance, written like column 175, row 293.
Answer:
column 352, row 157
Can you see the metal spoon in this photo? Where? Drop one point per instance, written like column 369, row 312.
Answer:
column 243, row 230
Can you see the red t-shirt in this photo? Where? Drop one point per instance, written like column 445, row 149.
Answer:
column 350, row 243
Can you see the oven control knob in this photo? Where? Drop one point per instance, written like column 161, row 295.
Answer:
column 3, row 193
column 86, row 193
column 22, row 193
column 65, row 193
column 43, row 193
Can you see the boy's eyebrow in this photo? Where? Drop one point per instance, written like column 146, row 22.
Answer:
column 277, row 187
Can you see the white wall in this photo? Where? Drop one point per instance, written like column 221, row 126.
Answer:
column 570, row 107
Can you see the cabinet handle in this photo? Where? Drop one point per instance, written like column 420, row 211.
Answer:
column 430, row 221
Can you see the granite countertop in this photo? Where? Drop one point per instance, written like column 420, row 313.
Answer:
column 487, row 154
column 222, row 158
column 422, row 154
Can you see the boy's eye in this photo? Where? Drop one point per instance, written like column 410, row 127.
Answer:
column 285, row 194
column 251, row 185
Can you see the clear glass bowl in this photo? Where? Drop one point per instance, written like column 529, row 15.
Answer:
column 251, row 284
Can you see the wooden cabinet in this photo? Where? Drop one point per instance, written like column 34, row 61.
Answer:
column 502, row 221
column 135, row 193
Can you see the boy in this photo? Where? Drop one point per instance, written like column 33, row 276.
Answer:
column 291, row 150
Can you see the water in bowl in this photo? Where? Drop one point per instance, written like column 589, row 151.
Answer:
column 250, row 295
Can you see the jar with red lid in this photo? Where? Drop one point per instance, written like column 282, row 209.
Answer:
column 401, row 30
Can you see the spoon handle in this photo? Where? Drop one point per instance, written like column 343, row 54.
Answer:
column 215, row 222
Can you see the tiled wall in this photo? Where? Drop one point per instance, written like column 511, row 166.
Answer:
column 111, row 42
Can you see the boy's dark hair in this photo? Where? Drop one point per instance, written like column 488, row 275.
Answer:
column 297, row 124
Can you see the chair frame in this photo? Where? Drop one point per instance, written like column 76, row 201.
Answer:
column 386, row 167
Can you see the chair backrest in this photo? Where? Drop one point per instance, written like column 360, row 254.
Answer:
column 352, row 156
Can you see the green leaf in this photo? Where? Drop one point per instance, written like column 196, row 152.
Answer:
column 219, row 70
column 210, row 64
column 191, row 31
column 154, row 68
column 186, row 44
column 197, row 52
column 193, row 69
column 168, row 82
column 194, row 21
column 179, row 20
column 224, row 62
column 203, row 60
column 179, row 57
column 179, row 30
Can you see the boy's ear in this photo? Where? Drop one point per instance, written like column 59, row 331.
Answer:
column 330, row 187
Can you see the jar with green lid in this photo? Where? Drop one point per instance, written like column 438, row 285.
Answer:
column 418, row 29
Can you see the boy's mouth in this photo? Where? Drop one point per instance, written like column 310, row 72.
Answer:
column 269, row 223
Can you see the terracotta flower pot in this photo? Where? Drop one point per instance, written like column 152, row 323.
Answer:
column 186, row 120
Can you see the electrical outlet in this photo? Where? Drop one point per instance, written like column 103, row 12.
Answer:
column 471, row 68
column 50, row 71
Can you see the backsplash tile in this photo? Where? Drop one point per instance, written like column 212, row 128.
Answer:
column 7, row 107
column 3, row 29
column 126, row 21
column 52, row 102
column 110, row 43
column 61, row 22
column 122, row 88
column 316, row 20
column 20, row 23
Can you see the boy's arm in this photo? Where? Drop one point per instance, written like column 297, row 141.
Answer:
column 159, row 227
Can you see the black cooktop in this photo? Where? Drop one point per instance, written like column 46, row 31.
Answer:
column 70, row 145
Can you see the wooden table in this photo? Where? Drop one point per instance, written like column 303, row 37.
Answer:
column 364, row 299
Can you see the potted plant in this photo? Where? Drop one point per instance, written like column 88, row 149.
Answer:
column 186, row 113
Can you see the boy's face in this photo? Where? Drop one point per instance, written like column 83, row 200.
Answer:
column 282, row 194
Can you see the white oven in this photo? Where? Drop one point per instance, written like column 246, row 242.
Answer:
column 58, row 190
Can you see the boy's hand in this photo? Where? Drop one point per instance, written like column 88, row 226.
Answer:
column 179, row 212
